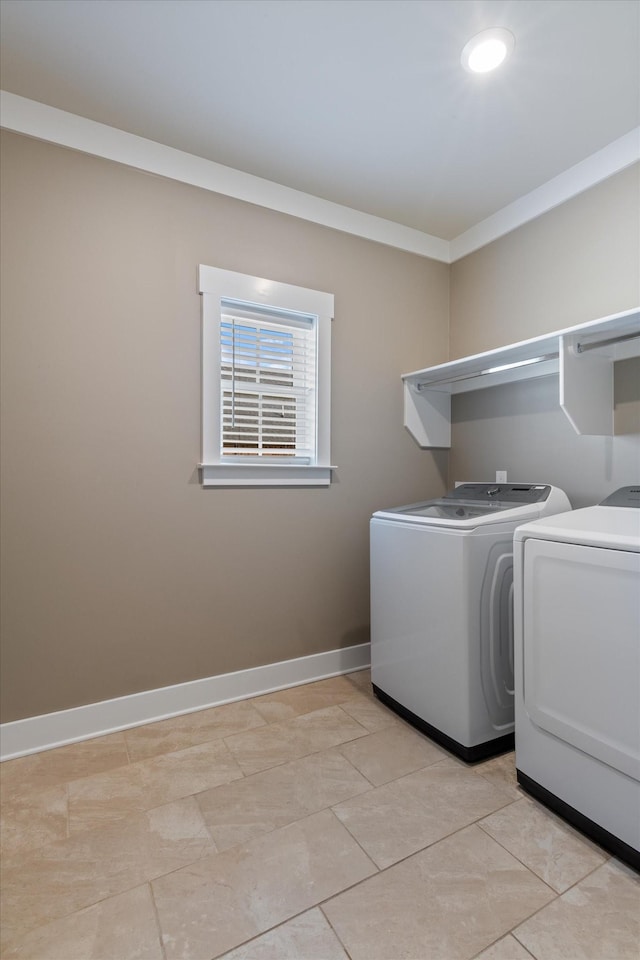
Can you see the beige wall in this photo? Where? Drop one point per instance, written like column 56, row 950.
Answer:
column 577, row 263
column 574, row 264
column 120, row 573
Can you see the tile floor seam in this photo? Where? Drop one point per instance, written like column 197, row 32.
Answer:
column 509, row 933
column 504, row 934
column 558, row 893
column 282, row 923
column 307, row 909
column 509, row 801
column 555, row 892
column 476, row 822
column 489, row 945
column 357, row 692
column 483, row 816
column 370, row 782
column 382, row 870
column 266, row 833
column 305, row 713
column 68, row 816
column 157, row 919
column 185, row 866
column 289, row 823
column 488, row 780
column 149, row 881
column 301, row 913
column 560, row 897
column 339, row 938
column 572, row 830
column 433, row 843
column 367, row 855
column 232, row 755
column 214, row 739
column 386, row 783
column 138, row 763
column 608, row 859
column 101, row 773
column 35, row 853
column 347, row 716
column 283, row 763
column 194, row 796
column 72, row 913
column 126, row 746
column 517, row 938
column 391, row 866
column 371, row 861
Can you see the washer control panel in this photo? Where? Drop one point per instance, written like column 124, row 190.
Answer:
column 624, row 497
column 504, row 492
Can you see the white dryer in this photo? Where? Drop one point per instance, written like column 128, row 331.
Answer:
column 442, row 611
column 577, row 662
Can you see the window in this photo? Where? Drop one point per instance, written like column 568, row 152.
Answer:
column 267, row 372
column 266, row 382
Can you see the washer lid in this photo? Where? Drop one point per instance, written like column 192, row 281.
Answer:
column 457, row 510
column 474, row 504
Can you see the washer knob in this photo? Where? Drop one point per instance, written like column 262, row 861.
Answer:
column 491, row 492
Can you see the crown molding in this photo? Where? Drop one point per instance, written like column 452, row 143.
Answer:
column 43, row 122
column 598, row 167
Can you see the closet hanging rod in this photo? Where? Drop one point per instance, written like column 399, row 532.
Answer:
column 422, row 384
column 583, row 347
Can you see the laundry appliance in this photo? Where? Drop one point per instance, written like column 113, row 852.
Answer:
column 442, row 611
column 577, row 663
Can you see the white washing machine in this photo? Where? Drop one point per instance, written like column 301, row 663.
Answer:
column 442, row 611
column 577, row 661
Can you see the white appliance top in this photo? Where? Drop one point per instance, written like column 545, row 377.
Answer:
column 612, row 527
column 473, row 505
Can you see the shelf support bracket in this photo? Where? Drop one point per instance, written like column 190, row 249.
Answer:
column 428, row 410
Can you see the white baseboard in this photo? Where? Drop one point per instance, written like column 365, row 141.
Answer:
column 33, row 734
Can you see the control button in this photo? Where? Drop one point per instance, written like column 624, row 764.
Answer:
column 491, row 492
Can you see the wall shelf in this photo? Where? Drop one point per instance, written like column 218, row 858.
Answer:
column 582, row 357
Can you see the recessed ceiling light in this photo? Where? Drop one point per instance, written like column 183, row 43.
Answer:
column 487, row 50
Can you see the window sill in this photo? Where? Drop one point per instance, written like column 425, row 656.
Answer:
column 264, row 475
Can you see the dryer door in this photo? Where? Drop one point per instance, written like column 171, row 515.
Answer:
column 581, row 653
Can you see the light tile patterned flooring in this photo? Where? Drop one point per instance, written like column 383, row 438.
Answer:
column 310, row 824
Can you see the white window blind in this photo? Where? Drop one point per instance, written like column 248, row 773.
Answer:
column 268, row 395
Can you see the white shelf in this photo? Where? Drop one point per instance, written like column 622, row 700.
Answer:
column 582, row 357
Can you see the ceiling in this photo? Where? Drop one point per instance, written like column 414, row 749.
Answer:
column 361, row 102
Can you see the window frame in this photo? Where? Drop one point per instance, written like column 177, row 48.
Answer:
column 216, row 285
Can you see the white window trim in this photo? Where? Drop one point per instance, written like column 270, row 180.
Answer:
column 215, row 285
